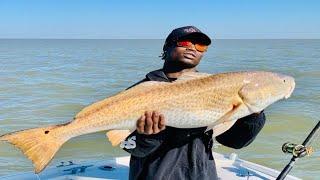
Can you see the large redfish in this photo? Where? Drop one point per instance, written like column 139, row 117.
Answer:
column 194, row 100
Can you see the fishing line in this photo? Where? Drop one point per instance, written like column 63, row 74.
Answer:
column 312, row 144
column 314, row 139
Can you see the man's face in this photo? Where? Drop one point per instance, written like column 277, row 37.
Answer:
column 188, row 57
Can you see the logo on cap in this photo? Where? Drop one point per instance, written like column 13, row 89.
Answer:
column 190, row 30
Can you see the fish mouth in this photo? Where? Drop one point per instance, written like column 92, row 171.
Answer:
column 291, row 90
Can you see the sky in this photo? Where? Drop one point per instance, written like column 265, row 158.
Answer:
column 151, row 19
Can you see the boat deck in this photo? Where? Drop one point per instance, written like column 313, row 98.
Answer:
column 228, row 167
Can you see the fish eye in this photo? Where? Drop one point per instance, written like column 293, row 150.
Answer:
column 284, row 80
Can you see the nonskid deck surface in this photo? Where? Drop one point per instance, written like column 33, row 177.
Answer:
column 228, row 167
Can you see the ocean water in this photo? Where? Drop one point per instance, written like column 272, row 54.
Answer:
column 48, row 81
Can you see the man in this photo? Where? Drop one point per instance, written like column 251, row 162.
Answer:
column 161, row 152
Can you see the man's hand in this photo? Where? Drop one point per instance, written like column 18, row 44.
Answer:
column 150, row 123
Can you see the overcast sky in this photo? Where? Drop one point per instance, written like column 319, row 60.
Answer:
column 151, row 19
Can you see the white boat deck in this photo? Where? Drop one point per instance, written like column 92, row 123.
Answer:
column 228, row 167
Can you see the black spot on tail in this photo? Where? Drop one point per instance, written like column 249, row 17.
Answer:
column 46, row 132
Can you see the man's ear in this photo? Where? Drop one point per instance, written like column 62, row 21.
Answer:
column 166, row 52
column 163, row 55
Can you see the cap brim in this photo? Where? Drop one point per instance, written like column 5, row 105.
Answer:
column 199, row 37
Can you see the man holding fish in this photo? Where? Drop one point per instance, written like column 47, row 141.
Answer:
column 227, row 106
column 160, row 152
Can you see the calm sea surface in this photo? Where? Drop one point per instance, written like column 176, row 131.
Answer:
column 46, row 82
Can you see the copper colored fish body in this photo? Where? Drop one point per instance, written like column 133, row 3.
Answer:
column 194, row 100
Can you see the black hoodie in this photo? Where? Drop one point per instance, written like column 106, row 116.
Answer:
column 184, row 153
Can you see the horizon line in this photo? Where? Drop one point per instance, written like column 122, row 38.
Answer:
column 154, row 38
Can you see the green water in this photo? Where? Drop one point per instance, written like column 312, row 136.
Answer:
column 48, row 81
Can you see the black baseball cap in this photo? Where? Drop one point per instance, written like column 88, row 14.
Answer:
column 184, row 32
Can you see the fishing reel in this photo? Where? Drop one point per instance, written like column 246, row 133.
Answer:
column 297, row 150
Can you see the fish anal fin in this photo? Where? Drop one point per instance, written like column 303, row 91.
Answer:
column 117, row 136
column 226, row 121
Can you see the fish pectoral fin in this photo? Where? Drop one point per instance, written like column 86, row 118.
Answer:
column 221, row 128
column 226, row 121
column 117, row 136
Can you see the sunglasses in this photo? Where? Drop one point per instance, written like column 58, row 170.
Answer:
column 198, row 47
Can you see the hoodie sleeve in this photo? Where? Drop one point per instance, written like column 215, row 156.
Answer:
column 140, row 145
column 243, row 132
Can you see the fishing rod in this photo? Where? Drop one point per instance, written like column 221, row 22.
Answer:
column 298, row 151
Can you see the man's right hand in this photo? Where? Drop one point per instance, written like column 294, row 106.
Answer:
column 152, row 122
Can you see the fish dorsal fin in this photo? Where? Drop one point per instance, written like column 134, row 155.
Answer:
column 117, row 136
column 123, row 94
column 148, row 84
column 191, row 75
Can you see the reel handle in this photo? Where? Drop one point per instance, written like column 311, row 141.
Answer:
column 297, row 150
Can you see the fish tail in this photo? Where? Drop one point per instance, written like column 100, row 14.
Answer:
column 38, row 144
